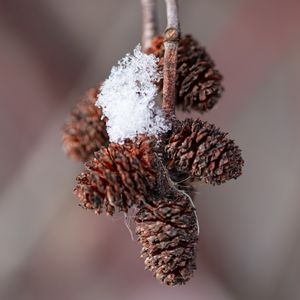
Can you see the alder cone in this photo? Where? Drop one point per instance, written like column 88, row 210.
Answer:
column 198, row 83
column 203, row 152
column 118, row 177
column 85, row 131
column 167, row 229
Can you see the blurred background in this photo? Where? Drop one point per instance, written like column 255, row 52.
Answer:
column 51, row 51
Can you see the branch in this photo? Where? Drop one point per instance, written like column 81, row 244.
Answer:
column 149, row 22
column 172, row 34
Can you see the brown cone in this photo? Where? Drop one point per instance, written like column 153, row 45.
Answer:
column 85, row 131
column 198, row 83
column 167, row 229
column 119, row 177
column 203, row 152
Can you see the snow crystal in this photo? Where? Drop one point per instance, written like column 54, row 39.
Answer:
column 127, row 98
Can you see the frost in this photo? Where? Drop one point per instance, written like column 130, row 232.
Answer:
column 127, row 98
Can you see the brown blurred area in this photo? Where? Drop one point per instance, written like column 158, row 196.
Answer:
column 50, row 52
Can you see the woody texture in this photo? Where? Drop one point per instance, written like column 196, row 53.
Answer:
column 198, row 82
column 85, row 130
column 203, row 152
column 167, row 228
column 152, row 173
column 118, row 177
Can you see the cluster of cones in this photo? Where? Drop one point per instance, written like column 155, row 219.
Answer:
column 144, row 173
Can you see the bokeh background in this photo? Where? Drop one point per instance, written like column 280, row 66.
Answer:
column 51, row 52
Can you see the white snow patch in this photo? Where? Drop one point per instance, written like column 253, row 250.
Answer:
column 127, row 98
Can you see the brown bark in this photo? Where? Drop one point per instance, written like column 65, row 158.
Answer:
column 171, row 38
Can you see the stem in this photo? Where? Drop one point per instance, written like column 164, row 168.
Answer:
column 172, row 34
column 149, row 22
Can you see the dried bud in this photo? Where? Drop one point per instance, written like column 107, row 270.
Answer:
column 198, row 83
column 203, row 152
column 85, row 131
column 118, row 177
column 167, row 229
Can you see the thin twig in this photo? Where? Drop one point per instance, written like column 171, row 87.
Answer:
column 149, row 22
column 194, row 208
column 128, row 225
column 172, row 34
column 183, row 180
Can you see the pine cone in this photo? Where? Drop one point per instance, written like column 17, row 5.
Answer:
column 203, row 152
column 167, row 229
column 198, row 83
column 85, row 131
column 119, row 177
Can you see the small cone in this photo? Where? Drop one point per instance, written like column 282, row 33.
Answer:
column 167, row 229
column 198, row 83
column 85, row 131
column 203, row 152
column 118, row 177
